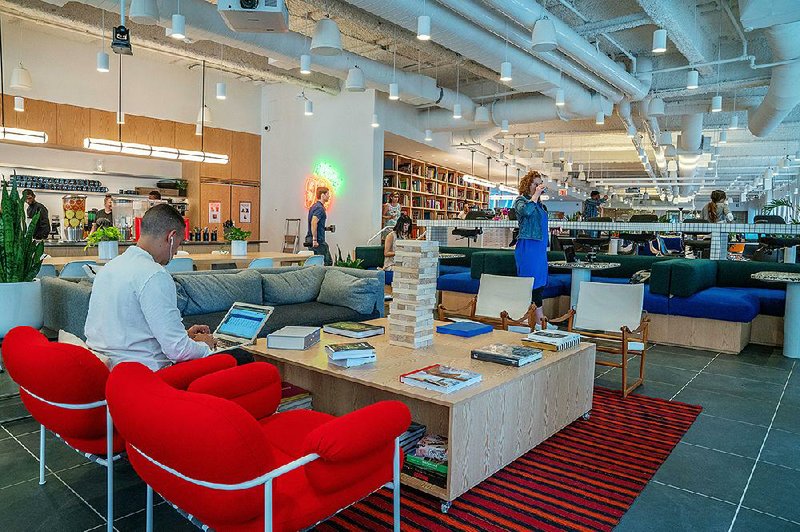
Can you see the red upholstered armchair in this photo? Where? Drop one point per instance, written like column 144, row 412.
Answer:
column 219, row 452
column 63, row 387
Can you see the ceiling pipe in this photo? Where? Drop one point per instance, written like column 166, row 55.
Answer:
column 526, row 12
column 460, row 35
column 783, row 94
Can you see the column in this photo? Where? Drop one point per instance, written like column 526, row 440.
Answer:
column 414, row 293
column 719, row 242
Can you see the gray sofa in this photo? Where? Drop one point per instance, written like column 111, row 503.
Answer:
column 311, row 296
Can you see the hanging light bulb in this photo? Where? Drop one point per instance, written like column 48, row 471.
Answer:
column 541, row 137
column 457, row 111
column 204, row 115
column 505, row 71
column 561, row 155
column 305, row 64
column 102, row 62
column 543, row 36
column 222, row 91
column 19, row 104
column 375, row 122
column 716, row 104
column 424, row 28
column 599, row 118
column 734, row 122
column 120, row 117
column 21, row 78
column 178, row 27
column 692, row 79
column 394, row 91
column 144, row 12
column 656, row 107
column 723, row 137
column 428, row 135
column 560, row 98
column 659, row 41
column 504, row 126
column 355, row 80
column 308, row 107
column 631, row 131
column 482, row 115
column 326, row 40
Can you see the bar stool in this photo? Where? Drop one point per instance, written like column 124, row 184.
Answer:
column 699, row 247
column 595, row 243
column 770, row 243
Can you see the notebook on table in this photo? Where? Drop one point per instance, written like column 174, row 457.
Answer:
column 241, row 325
column 466, row 329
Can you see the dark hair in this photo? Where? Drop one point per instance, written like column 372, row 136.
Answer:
column 321, row 191
column 161, row 219
column 398, row 226
column 155, row 193
column 594, row 193
column 28, row 192
column 717, row 196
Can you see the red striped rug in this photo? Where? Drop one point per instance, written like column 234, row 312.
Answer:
column 583, row 478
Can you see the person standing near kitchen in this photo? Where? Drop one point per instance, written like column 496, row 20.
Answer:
column 42, row 229
column 105, row 217
column 316, row 225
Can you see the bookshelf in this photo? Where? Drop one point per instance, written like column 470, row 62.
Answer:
column 429, row 191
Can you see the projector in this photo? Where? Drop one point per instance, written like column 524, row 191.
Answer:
column 255, row 16
column 121, row 41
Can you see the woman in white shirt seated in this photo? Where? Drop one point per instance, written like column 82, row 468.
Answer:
column 402, row 230
column 717, row 211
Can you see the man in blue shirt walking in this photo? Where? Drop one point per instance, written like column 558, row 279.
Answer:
column 316, row 226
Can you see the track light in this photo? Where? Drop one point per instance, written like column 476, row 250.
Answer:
column 375, row 122
column 541, row 137
column 599, row 118
column 716, row 104
column 424, row 28
column 428, row 135
column 659, row 41
column 692, row 79
column 504, row 126
column 394, row 91
column 560, row 98
column 543, row 36
column 457, row 111
column 222, row 91
column 305, row 64
column 505, row 71
column 102, row 62
column 178, row 27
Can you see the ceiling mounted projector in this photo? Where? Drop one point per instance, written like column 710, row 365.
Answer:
column 255, row 16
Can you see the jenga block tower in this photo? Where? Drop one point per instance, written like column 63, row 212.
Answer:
column 414, row 291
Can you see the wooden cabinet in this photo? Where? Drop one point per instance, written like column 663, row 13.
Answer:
column 9, row 113
column 216, row 141
column 211, row 195
column 245, row 204
column 245, row 157
column 185, row 138
column 236, row 202
column 151, row 131
column 103, row 124
column 73, row 125
column 39, row 115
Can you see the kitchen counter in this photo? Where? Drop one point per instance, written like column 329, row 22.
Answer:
column 76, row 249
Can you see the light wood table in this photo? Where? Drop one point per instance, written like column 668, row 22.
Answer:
column 203, row 261
column 489, row 424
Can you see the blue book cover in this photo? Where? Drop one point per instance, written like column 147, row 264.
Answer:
column 467, row 329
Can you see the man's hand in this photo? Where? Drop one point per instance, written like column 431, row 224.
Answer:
column 194, row 330
column 207, row 339
column 315, row 244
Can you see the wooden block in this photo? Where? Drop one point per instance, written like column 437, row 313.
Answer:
column 413, row 343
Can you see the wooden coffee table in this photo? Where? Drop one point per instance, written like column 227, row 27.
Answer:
column 489, row 424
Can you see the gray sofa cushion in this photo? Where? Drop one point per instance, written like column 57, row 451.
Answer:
column 294, row 286
column 217, row 292
column 340, row 288
column 65, row 305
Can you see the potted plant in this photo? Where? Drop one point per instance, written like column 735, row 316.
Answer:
column 348, row 262
column 20, row 261
column 238, row 238
column 107, row 241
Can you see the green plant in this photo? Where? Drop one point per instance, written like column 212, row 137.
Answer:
column 104, row 234
column 235, row 233
column 20, row 255
column 794, row 216
column 348, row 262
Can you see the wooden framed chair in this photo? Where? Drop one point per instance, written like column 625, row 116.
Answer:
column 603, row 309
column 498, row 295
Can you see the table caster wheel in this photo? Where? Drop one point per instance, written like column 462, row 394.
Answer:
column 587, row 416
column 446, row 506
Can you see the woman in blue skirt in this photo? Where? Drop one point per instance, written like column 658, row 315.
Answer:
column 531, row 249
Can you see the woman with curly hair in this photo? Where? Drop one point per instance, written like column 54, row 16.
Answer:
column 531, row 248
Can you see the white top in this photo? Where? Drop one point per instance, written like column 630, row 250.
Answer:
column 133, row 314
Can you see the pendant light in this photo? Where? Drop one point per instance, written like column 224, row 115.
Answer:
column 734, row 117
column 692, row 79
column 659, row 41
column 19, row 104
column 656, row 107
column 716, row 104
column 204, row 114
column 560, row 98
column 543, row 36
column 21, row 78
column 102, row 56
column 631, row 131
column 457, row 106
column 504, row 126
column 222, row 91
column 375, row 122
column 394, row 87
column 308, row 108
column 599, row 118
column 428, row 135
column 355, row 80
column 144, row 12
column 305, row 64
column 541, row 137
column 327, row 39
column 505, row 71
column 716, row 101
column 482, row 115
column 178, row 31
column 424, row 28
column 723, row 137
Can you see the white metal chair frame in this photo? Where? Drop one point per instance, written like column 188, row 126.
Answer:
column 105, row 462
column 266, row 480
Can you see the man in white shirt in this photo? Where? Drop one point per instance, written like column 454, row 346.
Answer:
column 133, row 312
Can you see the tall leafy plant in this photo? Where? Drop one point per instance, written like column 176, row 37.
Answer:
column 20, row 255
column 794, row 210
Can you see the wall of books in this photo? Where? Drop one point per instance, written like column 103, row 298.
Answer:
column 429, row 191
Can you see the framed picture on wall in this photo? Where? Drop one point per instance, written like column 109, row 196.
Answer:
column 214, row 212
column 244, row 212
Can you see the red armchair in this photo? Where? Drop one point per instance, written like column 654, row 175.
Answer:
column 219, row 452
column 63, row 387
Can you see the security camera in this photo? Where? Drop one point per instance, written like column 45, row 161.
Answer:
column 121, row 41
column 267, row 128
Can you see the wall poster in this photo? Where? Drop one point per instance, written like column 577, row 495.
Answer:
column 214, row 212
column 244, row 212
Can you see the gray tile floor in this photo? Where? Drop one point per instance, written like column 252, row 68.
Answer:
column 736, row 469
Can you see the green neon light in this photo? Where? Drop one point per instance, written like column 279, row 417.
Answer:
column 327, row 171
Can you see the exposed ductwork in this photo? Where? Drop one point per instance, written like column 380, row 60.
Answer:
column 689, row 148
column 783, row 94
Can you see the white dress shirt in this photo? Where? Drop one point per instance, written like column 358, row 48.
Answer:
column 133, row 314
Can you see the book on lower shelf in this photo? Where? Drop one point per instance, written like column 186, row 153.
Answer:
column 353, row 329
column 553, row 340
column 293, row 337
column 440, row 378
column 294, row 398
column 506, row 354
column 428, row 460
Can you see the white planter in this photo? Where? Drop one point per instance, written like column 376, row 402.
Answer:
column 107, row 250
column 238, row 248
column 22, row 305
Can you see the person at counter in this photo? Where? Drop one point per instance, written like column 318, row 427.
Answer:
column 154, row 195
column 133, row 313
column 531, row 249
column 42, row 230
column 716, row 211
column 104, row 218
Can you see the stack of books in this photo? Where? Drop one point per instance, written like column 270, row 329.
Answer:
column 508, row 355
column 294, row 398
column 293, row 337
column 351, row 354
column 410, row 438
column 429, row 461
column 553, row 340
column 353, row 329
column 439, row 378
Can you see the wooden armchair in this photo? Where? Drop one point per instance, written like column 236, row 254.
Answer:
column 498, row 296
column 603, row 309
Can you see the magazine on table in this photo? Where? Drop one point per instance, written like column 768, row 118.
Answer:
column 353, row 329
column 440, row 378
column 509, row 355
column 553, row 340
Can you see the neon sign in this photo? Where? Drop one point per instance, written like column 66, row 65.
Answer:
column 323, row 175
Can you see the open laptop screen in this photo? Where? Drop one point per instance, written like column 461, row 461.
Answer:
column 241, row 323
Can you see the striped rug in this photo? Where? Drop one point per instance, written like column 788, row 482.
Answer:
column 584, row 478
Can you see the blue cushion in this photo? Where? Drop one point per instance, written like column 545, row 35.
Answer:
column 389, row 276
column 562, row 280
column 655, row 303
column 458, row 282
column 717, row 304
column 772, row 301
column 614, row 280
column 446, row 269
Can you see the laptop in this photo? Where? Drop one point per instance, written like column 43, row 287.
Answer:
column 241, row 325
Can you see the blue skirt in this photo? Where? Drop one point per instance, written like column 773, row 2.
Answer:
column 531, row 258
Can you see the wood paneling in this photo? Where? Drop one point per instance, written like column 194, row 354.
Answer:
column 10, row 114
column 216, row 141
column 767, row 330
column 185, row 138
column 245, row 157
column 253, row 196
column 38, row 116
column 211, row 192
column 191, row 173
column 699, row 333
column 144, row 130
column 103, row 124
column 73, row 125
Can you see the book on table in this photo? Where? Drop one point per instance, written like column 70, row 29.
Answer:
column 293, row 337
column 509, row 355
column 352, row 362
column 553, row 340
column 466, row 329
column 349, row 350
column 353, row 329
column 440, row 378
